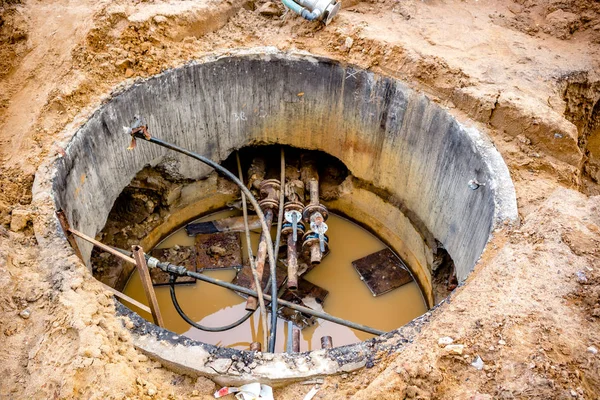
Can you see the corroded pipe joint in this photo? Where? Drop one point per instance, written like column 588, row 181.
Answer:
column 269, row 191
column 310, row 209
column 310, row 243
column 293, row 206
column 287, row 229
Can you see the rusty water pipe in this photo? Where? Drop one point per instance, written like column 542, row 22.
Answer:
column 315, row 214
column 269, row 190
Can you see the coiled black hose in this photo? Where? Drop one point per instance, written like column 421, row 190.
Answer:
column 187, row 319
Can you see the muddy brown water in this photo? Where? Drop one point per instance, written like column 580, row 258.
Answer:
column 348, row 298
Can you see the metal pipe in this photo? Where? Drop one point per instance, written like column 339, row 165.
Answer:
column 326, row 342
column 277, row 244
column 261, row 255
column 232, row 224
column 265, row 227
column 292, row 260
column 142, row 269
column 290, row 340
column 180, row 270
column 255, row 346
column 257, row 282
column 295, row 339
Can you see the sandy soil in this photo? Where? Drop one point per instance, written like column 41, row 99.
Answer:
column 525, row 72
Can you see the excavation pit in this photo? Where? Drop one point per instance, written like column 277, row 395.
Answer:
column 424, row 183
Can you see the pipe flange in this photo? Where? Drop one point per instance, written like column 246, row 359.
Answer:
column 293, row 206
column 312, row 237
column 288, row 228
column 268, row 185
column 314, row 208
column 269, row 204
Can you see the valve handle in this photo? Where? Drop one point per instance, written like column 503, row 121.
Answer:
column 293, row 216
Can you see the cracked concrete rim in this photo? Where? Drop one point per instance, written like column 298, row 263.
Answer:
column 229, row 366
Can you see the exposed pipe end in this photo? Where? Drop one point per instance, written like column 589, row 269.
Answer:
column 315, row 254
column 331, row 11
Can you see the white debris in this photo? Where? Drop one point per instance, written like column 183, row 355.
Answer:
column 311, row 393
column 501, row 342
column 454, row 349
column 251, row 391
column 445, row 341
column 478, row 363
column 25, row 314
column 581, row 278
column 592, row 350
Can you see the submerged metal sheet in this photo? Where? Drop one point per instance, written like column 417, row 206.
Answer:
column 178, row 255
column 382, row 271
column 245, row 279
column 218, row 251
column 306, row 290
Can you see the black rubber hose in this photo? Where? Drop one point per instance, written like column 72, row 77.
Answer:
column 243, row 188
column 196, row 325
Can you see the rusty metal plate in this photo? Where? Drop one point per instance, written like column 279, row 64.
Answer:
column 218, row 251
column 305, row 290
column 245, row 279
column 178, row 255
column 382, row 271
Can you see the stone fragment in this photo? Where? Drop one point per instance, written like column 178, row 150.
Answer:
column 454, row 350
column 478, row 363
column 19, row 219
column 123, row 64
column 269, row 9
column 25, row 314
column 160, row 19
column 592, row 350
column 445, row 341
column 348, row 43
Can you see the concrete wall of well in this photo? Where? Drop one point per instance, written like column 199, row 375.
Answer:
column 390, row 138
column 387, row 135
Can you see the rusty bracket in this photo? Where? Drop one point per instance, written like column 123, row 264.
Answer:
column 137, row 129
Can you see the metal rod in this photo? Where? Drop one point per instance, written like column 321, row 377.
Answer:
column 276, row 251
column 66, row 227
column 257, row 282
column 293, row 306
column 292, row 259
column 102, row 246
column 128, row 299
column 261, row 255
column 142, row 268
column 290, row 340
column 249, row 292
